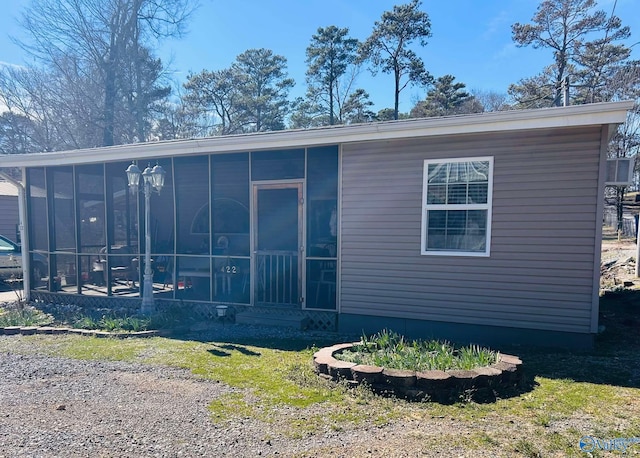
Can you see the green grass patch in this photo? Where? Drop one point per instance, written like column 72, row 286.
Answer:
column 527, row 448
column 564, row 397
column 277, row 376
column 89, row 348
column 231, row 406
column 485, row 440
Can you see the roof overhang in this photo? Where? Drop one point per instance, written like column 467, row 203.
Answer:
column 610, row 113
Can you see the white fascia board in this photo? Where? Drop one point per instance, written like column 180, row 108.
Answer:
column 502, row 121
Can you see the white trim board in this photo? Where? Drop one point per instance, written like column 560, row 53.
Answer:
column 501, row 121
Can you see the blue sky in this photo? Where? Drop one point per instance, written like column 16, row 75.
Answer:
column 471, row 38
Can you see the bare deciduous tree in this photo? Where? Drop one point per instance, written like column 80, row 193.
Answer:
column 108, row 43
column 491, row 100
column 626, row 140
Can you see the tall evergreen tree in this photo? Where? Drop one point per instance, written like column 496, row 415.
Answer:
column 357, row 108
column 445, row 98
column 602, row 64
column 263, row 88
column 388, row 47
column 307, row 112
column 17, row 134
column 587, row 51
column 214, row 98
column 249, row 96
column 582, row 40
column 329, row 55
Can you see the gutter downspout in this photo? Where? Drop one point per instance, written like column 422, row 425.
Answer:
column 24, row 239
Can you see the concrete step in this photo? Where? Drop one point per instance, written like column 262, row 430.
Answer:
column 273, row 319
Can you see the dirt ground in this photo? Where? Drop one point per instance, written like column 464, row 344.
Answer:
column 618, row 263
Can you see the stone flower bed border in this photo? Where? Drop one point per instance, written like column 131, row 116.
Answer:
column 30, row 330
column 442, row 386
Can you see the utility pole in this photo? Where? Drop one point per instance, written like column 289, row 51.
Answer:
column 565, row 91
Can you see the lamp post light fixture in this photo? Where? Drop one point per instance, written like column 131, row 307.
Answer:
column 153, row 179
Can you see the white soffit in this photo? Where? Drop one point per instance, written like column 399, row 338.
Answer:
column 501, row 121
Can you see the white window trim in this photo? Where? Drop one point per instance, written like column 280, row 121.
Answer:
column 488, row 206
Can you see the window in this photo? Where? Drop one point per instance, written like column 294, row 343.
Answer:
column 277, row 165
column 456, row 205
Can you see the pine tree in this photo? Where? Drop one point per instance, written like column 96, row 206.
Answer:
column 387, row 48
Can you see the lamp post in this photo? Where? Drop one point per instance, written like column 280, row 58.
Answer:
column 153, row 178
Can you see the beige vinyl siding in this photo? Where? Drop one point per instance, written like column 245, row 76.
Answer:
column 9, row 216
column 540, row 271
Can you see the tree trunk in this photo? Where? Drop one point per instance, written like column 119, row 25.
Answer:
column 109, row 99
column 110, row 76
column 140, row 99
column 396, row 103
column 331, row 117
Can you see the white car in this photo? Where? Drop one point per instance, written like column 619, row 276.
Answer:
column 11, row 261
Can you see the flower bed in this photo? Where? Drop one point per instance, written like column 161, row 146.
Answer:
column 26, row 319
column 480, row 383
column 30, row 330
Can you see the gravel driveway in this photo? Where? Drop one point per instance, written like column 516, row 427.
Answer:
column 62, row 407
column 59, row 407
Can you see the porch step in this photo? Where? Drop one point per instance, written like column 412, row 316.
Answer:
column 283, row 319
